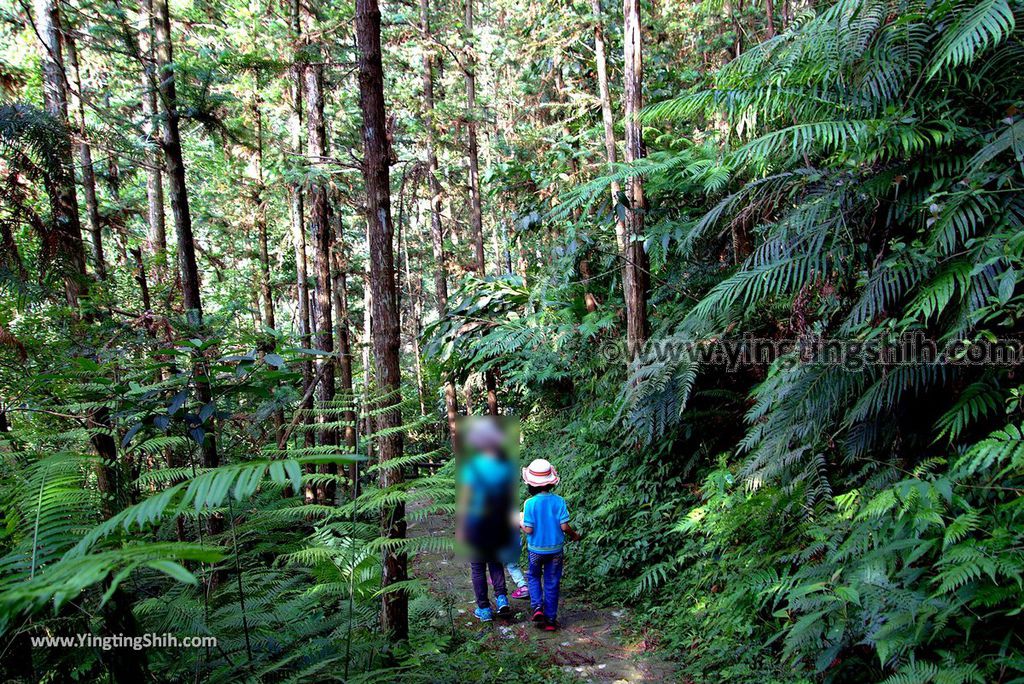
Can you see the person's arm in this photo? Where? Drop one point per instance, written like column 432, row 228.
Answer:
column 460, row 516
column 563, row 520
column 572, row 534
column 526, row 523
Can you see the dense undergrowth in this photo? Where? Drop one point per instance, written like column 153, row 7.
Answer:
column 288, row 584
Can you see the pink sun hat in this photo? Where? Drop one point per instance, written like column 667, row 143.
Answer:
column 540, row 473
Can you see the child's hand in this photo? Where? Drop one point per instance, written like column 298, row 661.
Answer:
column 576, row 536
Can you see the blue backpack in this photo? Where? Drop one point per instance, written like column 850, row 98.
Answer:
column 488, row 529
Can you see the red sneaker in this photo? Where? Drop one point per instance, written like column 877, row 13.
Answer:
column 538, row 615
column 520, row 593
column 551, row 626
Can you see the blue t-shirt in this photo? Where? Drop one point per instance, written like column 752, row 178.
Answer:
column 545, row 513
column 487, row 477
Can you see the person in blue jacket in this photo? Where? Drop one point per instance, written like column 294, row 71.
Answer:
column 486, row 508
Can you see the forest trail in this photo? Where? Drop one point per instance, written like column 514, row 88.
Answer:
column 588, row 646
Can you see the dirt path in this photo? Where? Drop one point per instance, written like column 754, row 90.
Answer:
column 588, row 645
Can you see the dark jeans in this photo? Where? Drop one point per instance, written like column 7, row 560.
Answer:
column 546, row 568
column 479, row 572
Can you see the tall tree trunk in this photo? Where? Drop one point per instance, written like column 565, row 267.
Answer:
column 319, row 225
column 769, row 11
column 155, row 216
column 436, row 231
column 189, row 270
column 609, row 139
column 434, row 185
column 475, row 210
column 416, row 294
column 608, row 120
column 367, row 343
column 154, row 156
column 297, row 219
column 66, row 247
column 376, row 175
column 342, row 331
column 636, row 263
column 92, row 208
column 266, row 292
column 125, row 665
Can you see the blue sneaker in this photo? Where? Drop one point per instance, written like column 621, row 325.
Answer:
column 484, row 614
column 502, row 603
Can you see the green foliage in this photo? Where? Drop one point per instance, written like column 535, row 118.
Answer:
column 288, row 584
column 857, row 182
column 845, row 173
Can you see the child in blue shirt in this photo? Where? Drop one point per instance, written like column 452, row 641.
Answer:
column 546, row 524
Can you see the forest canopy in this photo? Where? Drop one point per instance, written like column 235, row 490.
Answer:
column 745, row 273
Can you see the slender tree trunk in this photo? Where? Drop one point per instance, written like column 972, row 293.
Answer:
column 155, row 216
column 376, row 175
column 609, row 140
column 154, row 156
column 475, row 209
column 476, row 223
column 92, row 208
column 769, row 11
column 347, row 370
column 66, row 248
column 451, row 405
column 126, row 666
column 261, row 221
column 467, row 389
column 589, row 298
column 116, row 219
column 636, row 264
column 734, row 14
column 367, row 343
column 298, row 229
column 319, row 226
column 342, row 331
column 189, row 270
column 416, row 294
column 140, row 278
column 417, row 329
column 436, row 230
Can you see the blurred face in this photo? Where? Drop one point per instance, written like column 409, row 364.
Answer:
column 488, row 435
